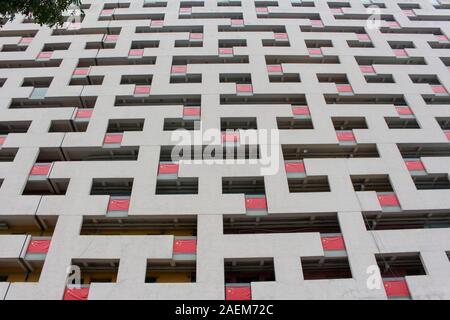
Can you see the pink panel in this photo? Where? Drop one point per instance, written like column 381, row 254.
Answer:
column 262, row 10
column 112, row 37
column 274, row 68
column 244, row 88
column 157, row 23
column 45, row 55
column 113, row 138
column 118, row 204
column 345, row 136
column 294, row 166
column 447, row 134
column 238, row 293
column 168, row 168
column 76, row 294
column 84, row 113
column 393, row 24
column 400, row 52
column 136, row 52
column 237, row 22
column 333, row 243
column 2, row 140
column 26, row 40
column 255, row 203
column 191, row 111
column 185, row 10
column 388, row 200
column 225, row 50
column 337, row 10
column 315, row 51
column 396, row 288
column 185, row 246
column 442, row 38
column 178, row 69
column 404, row 111
column 409, row 12
column 362, row 36
column 40, row 170
column 107, row 12
column 142, row 90
column 344, row 88
column 280, row 35
column 300, row 111
column 439, row 89
column 414, row 165
column 316, row 22
column 81, row 71
column 367, row 69
column 196, row 36
column 38, row 246
column 230, row 136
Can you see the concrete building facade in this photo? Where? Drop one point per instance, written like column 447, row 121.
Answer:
column 314, row 142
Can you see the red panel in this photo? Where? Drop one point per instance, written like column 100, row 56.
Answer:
column 81, row 71
column 388, row 200
column 345, row 136
column 230, row 136
column 238, row 293
column 196, row 36
column 168, row 168
column 191, row 111
column 344, row 88
column 118, row 204
column 142, row 90
column 2, row 140
column 274, row 68
column 280, row 36
column 113, row 138
column 300, row 110
column 396, row 288
column 39, row 170
column 244, row 88
column 316, row 22
column 136, row 52
column 439, row 37
column 439, row 89
column 178, row 69
column 225, row 50
column 315, row 51
column 367, row 69
column 76, row 294
column 45, row 55
column 333, row 243
column 185, row 246
column 447, row 134
column 255, row 203
column 84, row 113
column 38, row 246
column 400, row 52
column 294, row 166
column 362, row 36
column 404, row 111
column 414, row 165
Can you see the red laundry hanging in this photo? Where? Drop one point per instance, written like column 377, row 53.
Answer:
column 84, row 113
column 396, row 288
column 238, row 293
column 414, row 165
column 118, row 204
column 168, row 168
column 294, row 166
column 256, row 203
column 300, row 110
column 76, row 294
column 333, row 243
column 40, row 169
column 113, row 138
column 388, row 200
column 38, row 246
column 191, row 111
column 345, row 136
column 185, row 246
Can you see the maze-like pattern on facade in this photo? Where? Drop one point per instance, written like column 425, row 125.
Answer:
column 345, row 194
